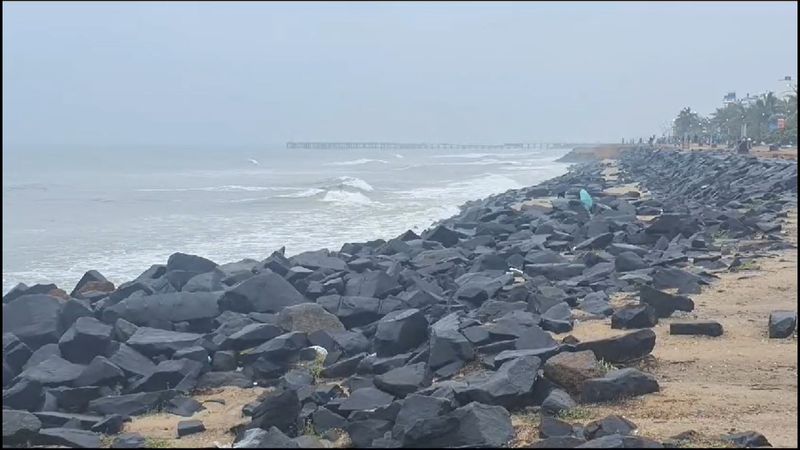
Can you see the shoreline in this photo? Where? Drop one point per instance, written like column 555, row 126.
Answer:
column 661, row 228
column 313, row 213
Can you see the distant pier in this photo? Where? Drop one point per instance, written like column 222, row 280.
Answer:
column 422, row 145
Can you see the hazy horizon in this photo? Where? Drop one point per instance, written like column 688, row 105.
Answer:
column 250, row 74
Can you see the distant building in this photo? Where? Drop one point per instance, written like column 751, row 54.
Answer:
column 784, row 88
column 749, row 99
column 729, row 98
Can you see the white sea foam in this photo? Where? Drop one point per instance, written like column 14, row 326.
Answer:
column 346, row 198
column 358, row 162
column 303, row 194
column 356, row 183
column 483, row 162
column 465, row 155
column 460, row 191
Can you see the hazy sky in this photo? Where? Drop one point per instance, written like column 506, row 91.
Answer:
column 252, row 73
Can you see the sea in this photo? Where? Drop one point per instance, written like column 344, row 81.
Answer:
column 120, row 210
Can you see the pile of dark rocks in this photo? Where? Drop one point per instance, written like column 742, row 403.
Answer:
column 428, row 340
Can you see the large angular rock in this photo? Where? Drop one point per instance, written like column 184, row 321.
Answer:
column 696, row 327
column 224, row 360
column 173, row 307
column 747, row 439
column 557, row 401
column 167, row 375
column 196, row 353
column 622, row 348
column 608, row 425
column 15, row 352
column 345, row 342
column 51, row 419
column 123, row 330
column 366, row 399
column 69, row 437
column 617, row 385
column 324, row 420
column 24, row 394
column 343, row 367
column 375, row 283
column 447, row 344
column 320, row 259
column 308, row 318
column 133, row 363
column 109, row 425
column 511, row 386
column 555, row 271
column 782, row 324
column 672, row 277
column 130, row 404
column 277, row 348
column 416, row 408
column 404, row 380
column 634, row 316
column 74, row 399
column 279, row 409
column 570, row 369
column 33, row 319
column 153, row 341
column 400, row 331
column 211, row 380
column 358, row 311
column 364, row 432
column 73, row 310
column 472, row 425
column 443, row 235
column 558, row 318
column 628, row 261
column 265, row 292
column 207, row 282
column 187, row 427
column 663, row 303
column 85, row 339
column 89, row 281
column 128, row 440
column 259, row 438
column 597, row 242
column 552, row 427
column 19, row 426
column 189, row 263
column 251, row 336
column 596, row 303
column 53, row 371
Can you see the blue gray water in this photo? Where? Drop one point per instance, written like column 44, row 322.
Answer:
column 121, row 210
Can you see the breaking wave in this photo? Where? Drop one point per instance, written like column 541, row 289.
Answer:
column 346, row 198
column 358, row 162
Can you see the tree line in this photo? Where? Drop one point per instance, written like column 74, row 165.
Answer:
column 759, row 120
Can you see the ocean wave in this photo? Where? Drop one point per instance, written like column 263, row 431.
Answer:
column 465, row 155
column 483, row 162
column 303, row 194
column 459, row 191
column 358, row 162
column 348, row 182
column 226, row 188
column 346, row 198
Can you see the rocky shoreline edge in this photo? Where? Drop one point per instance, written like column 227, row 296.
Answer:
column 431, row 340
